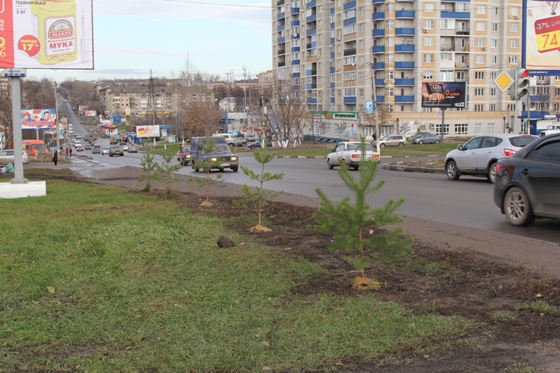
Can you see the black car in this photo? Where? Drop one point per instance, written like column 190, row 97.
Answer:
column 528, row 183
column 257, row 144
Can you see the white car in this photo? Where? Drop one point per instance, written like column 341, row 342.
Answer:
column 7, row 156
column 390, row 140
column 478, row 156
column 350, row 153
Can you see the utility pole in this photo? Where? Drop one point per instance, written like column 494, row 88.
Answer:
column 374, row 98
column 57, row 131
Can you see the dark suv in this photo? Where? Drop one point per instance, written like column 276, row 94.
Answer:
column 221, row 156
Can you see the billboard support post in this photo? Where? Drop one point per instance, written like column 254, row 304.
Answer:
column 16, row 122
column 442, row 124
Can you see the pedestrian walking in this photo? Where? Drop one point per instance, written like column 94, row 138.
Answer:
column 70, row 151
column 66, row 152
column 55, row 157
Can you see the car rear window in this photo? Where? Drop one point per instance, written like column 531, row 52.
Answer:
column 521, row 141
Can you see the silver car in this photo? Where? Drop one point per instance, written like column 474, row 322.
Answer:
column 7, row 156
column 478, row 156
column 390, row 140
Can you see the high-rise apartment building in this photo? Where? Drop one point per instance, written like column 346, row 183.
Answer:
column 340, row 53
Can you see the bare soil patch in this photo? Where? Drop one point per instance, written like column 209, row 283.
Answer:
column 440, row 279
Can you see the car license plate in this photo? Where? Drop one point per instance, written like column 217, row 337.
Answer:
column 225, row 164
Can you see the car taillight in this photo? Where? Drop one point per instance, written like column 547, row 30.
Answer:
column 499, row 166
column 509, row 152
column 356, row 155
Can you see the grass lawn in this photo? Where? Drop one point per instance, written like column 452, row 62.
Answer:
column 98, row 279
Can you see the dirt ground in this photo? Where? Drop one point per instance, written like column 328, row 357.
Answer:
column 445, row 276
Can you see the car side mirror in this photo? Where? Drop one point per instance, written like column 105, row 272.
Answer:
column 461, row 147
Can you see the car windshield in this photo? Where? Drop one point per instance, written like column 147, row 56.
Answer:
column 521, row 141
column 385, row 138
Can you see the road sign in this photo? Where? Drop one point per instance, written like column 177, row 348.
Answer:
column 370, row 109
column 15, row 72
column 503, row 81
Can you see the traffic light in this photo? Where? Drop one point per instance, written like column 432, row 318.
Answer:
column 69, row 128
column 522, row 85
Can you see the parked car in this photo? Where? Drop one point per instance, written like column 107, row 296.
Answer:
column 427, row 139
column 104, row 150
column 96, row 149
column 527, row 183
column 185, row 155
column 132, row 149
column 351, row 154
column 8, row 156
column 390, row 140
column 417, row 134
column 257, row 144
column 478, row 156
column 116, row 149
column 222, row 154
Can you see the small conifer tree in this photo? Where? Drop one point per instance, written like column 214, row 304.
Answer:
column 259, row 195
column 148, row 170
column 167, row 170
column 346, row 222
column 208, row 146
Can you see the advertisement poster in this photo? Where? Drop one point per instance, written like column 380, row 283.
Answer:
column 541, row 37
column 38, row 119
column 147, row 131
column 444, row 94
column 46, row 34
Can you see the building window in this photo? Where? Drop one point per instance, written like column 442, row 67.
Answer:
column 477, row 129
column 428, row 42
column 429, row 7
column 461, row 129
column 492, row 107
column 495, row 10
column 480, row 9
column 493, row 43
column 479, row 107
column 390, row 8
column 493, row 60
column 481, row 26
column 389, row 42
column 480, row 42
column 389, row 92
column 513, row 43
column 429, row 24
column 490, row 128
column 479, row 75
column 480, row 59
column 479, row 91
column 361, row 92
column 389, row 58
column 446, row 56
column 513, row 11
column 494, row 27
column 390, row 25
column 514, row 27
column 492, row 93
column 428, row 58
column 512, row 59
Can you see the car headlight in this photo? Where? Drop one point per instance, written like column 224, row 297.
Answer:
column 234, row 158
column 213, row 159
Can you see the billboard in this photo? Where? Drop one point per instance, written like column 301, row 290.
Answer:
column 541, row 32
column 147, row 131
column 90, row 113
column 46, row 34
column 444, row 94
column 38, row 119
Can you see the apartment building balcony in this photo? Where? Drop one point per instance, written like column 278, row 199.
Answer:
column 378, row 16
column 311, row 31
column 332, row 85
column 281, row 51
column 461, row 65
column 404, row 48
column 350, row 52
column 311, row 4
column 349, row 21
column 280, row 2
column 405, row 14
column 281, row 28
column 333, row 55
column 378, row 49
column 281, row 16
column 349, row 99
column 378, row 1
column 404, row 99
column 379, row 65
column 310, row 72
column 380, row 99
column 311, row 18
column 349, row 5
column 404, row 82
column 295, row 36
column 311, row 86
column 462, row 32
column 545, row 80
column 294, row 11
column 295, row 49
column 379, row 82
column 309, row 59
column 311, row 100
column 281, row 63
column 456, row 15
column 405, row 31
column 295, row 62
column 379, row 33
column 281, row 40
column 332, row 70
column 411, row 1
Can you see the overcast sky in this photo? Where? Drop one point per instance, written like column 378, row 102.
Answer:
column 216, row 36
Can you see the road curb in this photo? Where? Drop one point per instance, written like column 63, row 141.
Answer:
column 405, row 168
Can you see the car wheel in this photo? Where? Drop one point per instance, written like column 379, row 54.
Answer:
column 491, row 176
column 110, row 155
column 517, row 208
column 235, row 169
column 452, row 171
column 401, row 143
column 329, row 164
column 436, row 142
column 420, row 142
column 382, row 146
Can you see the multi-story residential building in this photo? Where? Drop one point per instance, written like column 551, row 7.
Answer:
column 344, row 52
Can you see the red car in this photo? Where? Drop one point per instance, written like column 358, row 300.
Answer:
column 79, row 148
